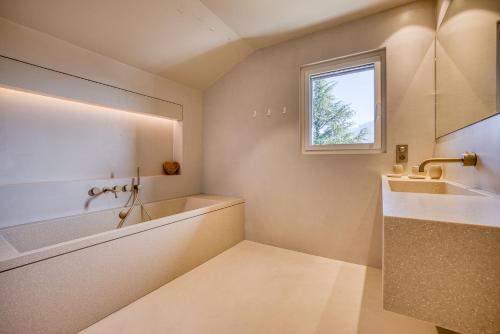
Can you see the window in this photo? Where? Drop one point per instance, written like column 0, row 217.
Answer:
column 343, row 104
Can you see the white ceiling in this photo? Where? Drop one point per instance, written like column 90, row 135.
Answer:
column 190, row 41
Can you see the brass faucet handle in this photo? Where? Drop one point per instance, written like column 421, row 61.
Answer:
column 469, row 159
column 95, row 191
column 128, row 188
column 117, row 189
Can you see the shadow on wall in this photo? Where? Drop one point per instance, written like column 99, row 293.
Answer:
column 373, row 253
column 355, row 306
column 269, row 39
column 325, row 205
column 198, row 71
column 486, row 174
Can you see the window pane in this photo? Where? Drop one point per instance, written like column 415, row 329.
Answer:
column 343, row 106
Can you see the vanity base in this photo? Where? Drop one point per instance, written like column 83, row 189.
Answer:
column 445, row 273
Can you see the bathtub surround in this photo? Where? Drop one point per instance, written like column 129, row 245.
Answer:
column 327, row 205
column 97, row 274
column 34, row 242
column 55, row 151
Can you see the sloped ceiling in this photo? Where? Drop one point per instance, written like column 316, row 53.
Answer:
column 190, row 41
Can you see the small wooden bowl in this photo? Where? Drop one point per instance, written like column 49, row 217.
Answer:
column 171, row 167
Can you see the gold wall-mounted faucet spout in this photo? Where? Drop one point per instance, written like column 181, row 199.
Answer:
column 467, row 159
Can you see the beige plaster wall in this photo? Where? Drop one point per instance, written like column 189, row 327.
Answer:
column 53, row 151
column 483, row 138
column 327, row 205
column 49, row 139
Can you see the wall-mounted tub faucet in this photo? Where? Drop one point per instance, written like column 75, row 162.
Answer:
column 136, row 201
column 467, row 159
column 134, row 198
column 115, row 190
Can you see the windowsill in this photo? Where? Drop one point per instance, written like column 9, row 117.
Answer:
column 357, row 152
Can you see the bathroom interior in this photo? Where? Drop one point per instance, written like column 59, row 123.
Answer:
column 251, row 166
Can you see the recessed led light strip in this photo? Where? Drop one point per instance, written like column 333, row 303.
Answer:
column 18, row 74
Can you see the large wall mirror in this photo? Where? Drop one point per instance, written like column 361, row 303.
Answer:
column 467, row 64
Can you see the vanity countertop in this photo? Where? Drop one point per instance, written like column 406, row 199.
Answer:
column 483, row 209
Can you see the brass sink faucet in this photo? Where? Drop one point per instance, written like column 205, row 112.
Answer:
column 467, row 159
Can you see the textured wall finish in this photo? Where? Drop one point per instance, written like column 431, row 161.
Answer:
column 482, row 138
column 327, row 205
column 44, row 141
column 49, row 139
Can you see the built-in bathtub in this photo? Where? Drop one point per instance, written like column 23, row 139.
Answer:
column 61, row 275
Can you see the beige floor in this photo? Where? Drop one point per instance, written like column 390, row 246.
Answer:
column 254, row 288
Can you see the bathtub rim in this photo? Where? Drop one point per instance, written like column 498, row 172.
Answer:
column 21, row 259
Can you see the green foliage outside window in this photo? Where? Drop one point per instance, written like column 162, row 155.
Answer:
column 331, row 117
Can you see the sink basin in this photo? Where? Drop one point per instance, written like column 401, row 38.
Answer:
column 430, row 187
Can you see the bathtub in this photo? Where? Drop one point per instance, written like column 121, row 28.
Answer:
column 62, row 275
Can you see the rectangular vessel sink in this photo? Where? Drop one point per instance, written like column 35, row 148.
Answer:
column 429, row 187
